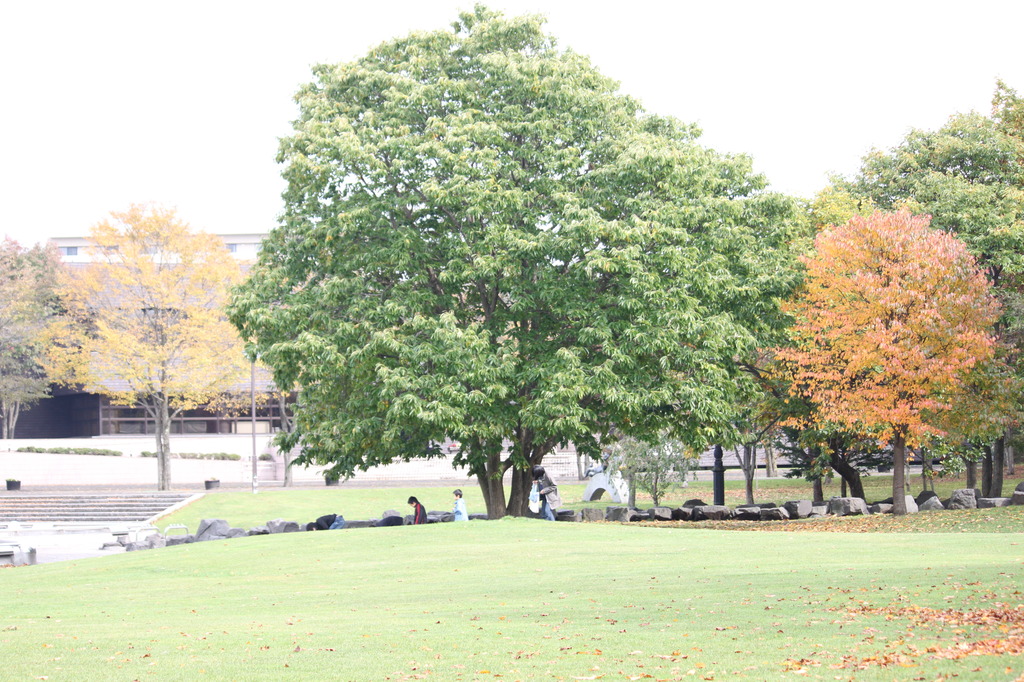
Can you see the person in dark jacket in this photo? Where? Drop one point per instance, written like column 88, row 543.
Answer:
column 322, row 523
column 549, row 497
column 419, row 514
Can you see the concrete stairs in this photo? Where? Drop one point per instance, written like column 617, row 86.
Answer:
column 84, row 507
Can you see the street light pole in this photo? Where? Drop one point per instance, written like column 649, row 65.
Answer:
column 252, row 413
column 718, row 476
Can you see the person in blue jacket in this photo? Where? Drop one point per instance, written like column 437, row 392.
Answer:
column 460, row 507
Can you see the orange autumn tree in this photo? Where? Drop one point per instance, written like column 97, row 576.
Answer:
column 893, row 319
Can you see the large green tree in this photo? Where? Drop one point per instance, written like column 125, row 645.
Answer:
column 483, row 241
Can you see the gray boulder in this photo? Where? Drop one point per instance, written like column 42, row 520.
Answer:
column 818, row 510
column 478, row 517
column 712, row 512
column 282, row 526
column 259, row 530
column 990, row 502
column 911, row 504
column 748, row 512
column 1018, row 497
column 560, row 515
column 361, row 523
column 930, row 504
column 880, row 508
column 798, row 509
column 1020, row 487
column 774, row 514
column 695, row 503
column 212, row 529
column 659, row 514
column 591, row 514
column 618, row 514
column 440, row 517
column 964, row 498
column 173, row 540
column 924, row 495
column 637, row 515
column 682, row 513
column 847, row 506
column 151, row 541
column 237, row 533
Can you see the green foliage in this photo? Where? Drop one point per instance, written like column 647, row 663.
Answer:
column 484, row 242
column 229, row 456
column 835, row 205
column 432, row 601
column 654, row 467
column 72, row 451
column 968, row 176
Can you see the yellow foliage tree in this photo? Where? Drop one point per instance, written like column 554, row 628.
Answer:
column 144, row 321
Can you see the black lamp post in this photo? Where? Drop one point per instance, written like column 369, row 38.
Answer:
column 718, row 476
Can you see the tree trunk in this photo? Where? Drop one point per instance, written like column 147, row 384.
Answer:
column 492, row 487
column 849, row 474
column 1009, row 453
column 771, row 464
column 819, row 494
column 519, row 495
column 899, row 467
column 971, row 467
column 986, row 472
column 998, row 462
column 287, row 424
column 927, row 480
column 163, row 443
column 9, row 411
column 631, row 502
column 748, row 462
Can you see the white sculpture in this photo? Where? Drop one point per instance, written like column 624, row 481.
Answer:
column 601, row 482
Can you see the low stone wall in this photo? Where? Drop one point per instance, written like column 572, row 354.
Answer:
column 692, row 510
column 698, row 510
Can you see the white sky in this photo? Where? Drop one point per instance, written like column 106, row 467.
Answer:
column 182, row 103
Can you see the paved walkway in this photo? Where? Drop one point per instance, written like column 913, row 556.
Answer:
column 64, row 542
column 68, row 541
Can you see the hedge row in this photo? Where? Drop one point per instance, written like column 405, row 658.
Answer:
column 73, row 451
column 198, row 455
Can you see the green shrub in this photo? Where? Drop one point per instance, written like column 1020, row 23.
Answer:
column 73, row 451
column 266, row 457
column 198, row 455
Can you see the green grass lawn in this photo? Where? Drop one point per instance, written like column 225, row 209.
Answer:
column 520, row 599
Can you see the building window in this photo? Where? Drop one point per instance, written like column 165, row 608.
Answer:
column 232, row 248
column 68, row 250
